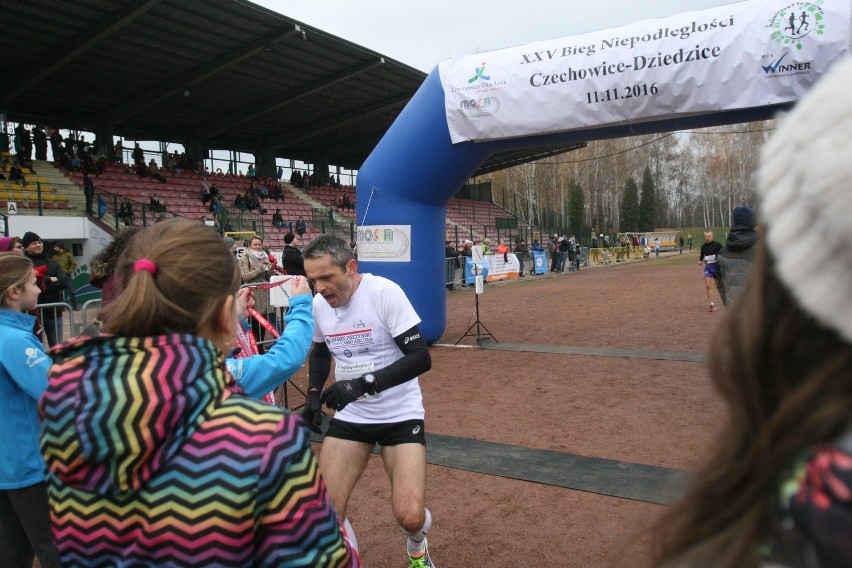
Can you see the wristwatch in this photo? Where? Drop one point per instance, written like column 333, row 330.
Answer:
column 370, row 379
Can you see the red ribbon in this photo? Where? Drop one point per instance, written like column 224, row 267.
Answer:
column 248, row 344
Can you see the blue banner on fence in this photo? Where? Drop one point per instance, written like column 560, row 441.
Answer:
column 539, row 261
column 470, row 274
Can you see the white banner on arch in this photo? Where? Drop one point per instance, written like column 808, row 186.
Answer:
column 743, row 55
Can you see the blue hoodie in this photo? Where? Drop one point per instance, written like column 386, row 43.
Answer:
column 261, row 374
column 23, row 379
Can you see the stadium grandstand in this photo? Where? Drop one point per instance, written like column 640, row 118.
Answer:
column 226, row 84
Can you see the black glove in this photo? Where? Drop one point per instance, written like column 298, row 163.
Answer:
column 312, row 413
column 341, row 393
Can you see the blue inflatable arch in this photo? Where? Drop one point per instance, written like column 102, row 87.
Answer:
column 415, row 171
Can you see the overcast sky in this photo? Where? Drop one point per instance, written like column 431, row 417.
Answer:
column 421, row 34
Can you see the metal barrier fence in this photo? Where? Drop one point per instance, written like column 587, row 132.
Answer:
column 455, row 276
column 59, row 321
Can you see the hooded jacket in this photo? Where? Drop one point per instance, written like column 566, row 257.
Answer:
column 23, row 378
column 734, row 263
column 156, row 458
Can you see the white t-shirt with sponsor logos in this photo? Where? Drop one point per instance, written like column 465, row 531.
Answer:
column 360, row 338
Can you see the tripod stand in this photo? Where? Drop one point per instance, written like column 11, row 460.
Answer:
column 478, row 323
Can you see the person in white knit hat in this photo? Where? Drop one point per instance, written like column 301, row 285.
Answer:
column 777, row 489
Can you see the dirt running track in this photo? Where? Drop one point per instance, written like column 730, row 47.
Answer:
column 655, row 412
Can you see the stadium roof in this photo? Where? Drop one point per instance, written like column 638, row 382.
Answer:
column 236, row 74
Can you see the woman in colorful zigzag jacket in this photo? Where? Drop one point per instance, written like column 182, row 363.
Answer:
column 154, row 454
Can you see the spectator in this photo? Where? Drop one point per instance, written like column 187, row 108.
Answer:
column 68, row 265
column 24, row 515
column 452, row 264
column 52, row 280
column 126, row 214
column 40, row 141
column 657, row 246
column 564, row 247
column 520, row 254
column 776, row 489
column 89, row 193
column 553, row 251
column 141, row 169
column 571, row 254
column 119, row 152
column 23, row 142
column 170, row 164
column 203, row 450
column 735, row 260
column 154, row 171
column 503, row 248
column 11, row 244
column 16, row 173
column 102, row 268
column 251, row 172
column 277, row 219
column 205, row 190
column 215, row 200
column 277, row 193
column 138, row 155
column 55, row 143
column 292, row 260
column 256, row 268
column 70, row 144
column 301, row 228
column 155, row 205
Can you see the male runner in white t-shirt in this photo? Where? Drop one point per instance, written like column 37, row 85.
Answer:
column 366, row 324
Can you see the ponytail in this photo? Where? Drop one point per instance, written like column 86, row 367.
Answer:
column 177, row 275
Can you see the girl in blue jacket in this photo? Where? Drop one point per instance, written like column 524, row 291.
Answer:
column 24, row 517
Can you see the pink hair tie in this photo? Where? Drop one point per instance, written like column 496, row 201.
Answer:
column 145, row 264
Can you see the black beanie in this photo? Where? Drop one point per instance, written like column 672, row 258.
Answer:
column 288, row 238
column 29, row 238
column 744, row 217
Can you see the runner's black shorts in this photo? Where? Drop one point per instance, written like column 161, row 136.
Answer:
column 391, row 434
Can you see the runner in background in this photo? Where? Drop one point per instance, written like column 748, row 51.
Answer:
column 707, row 258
